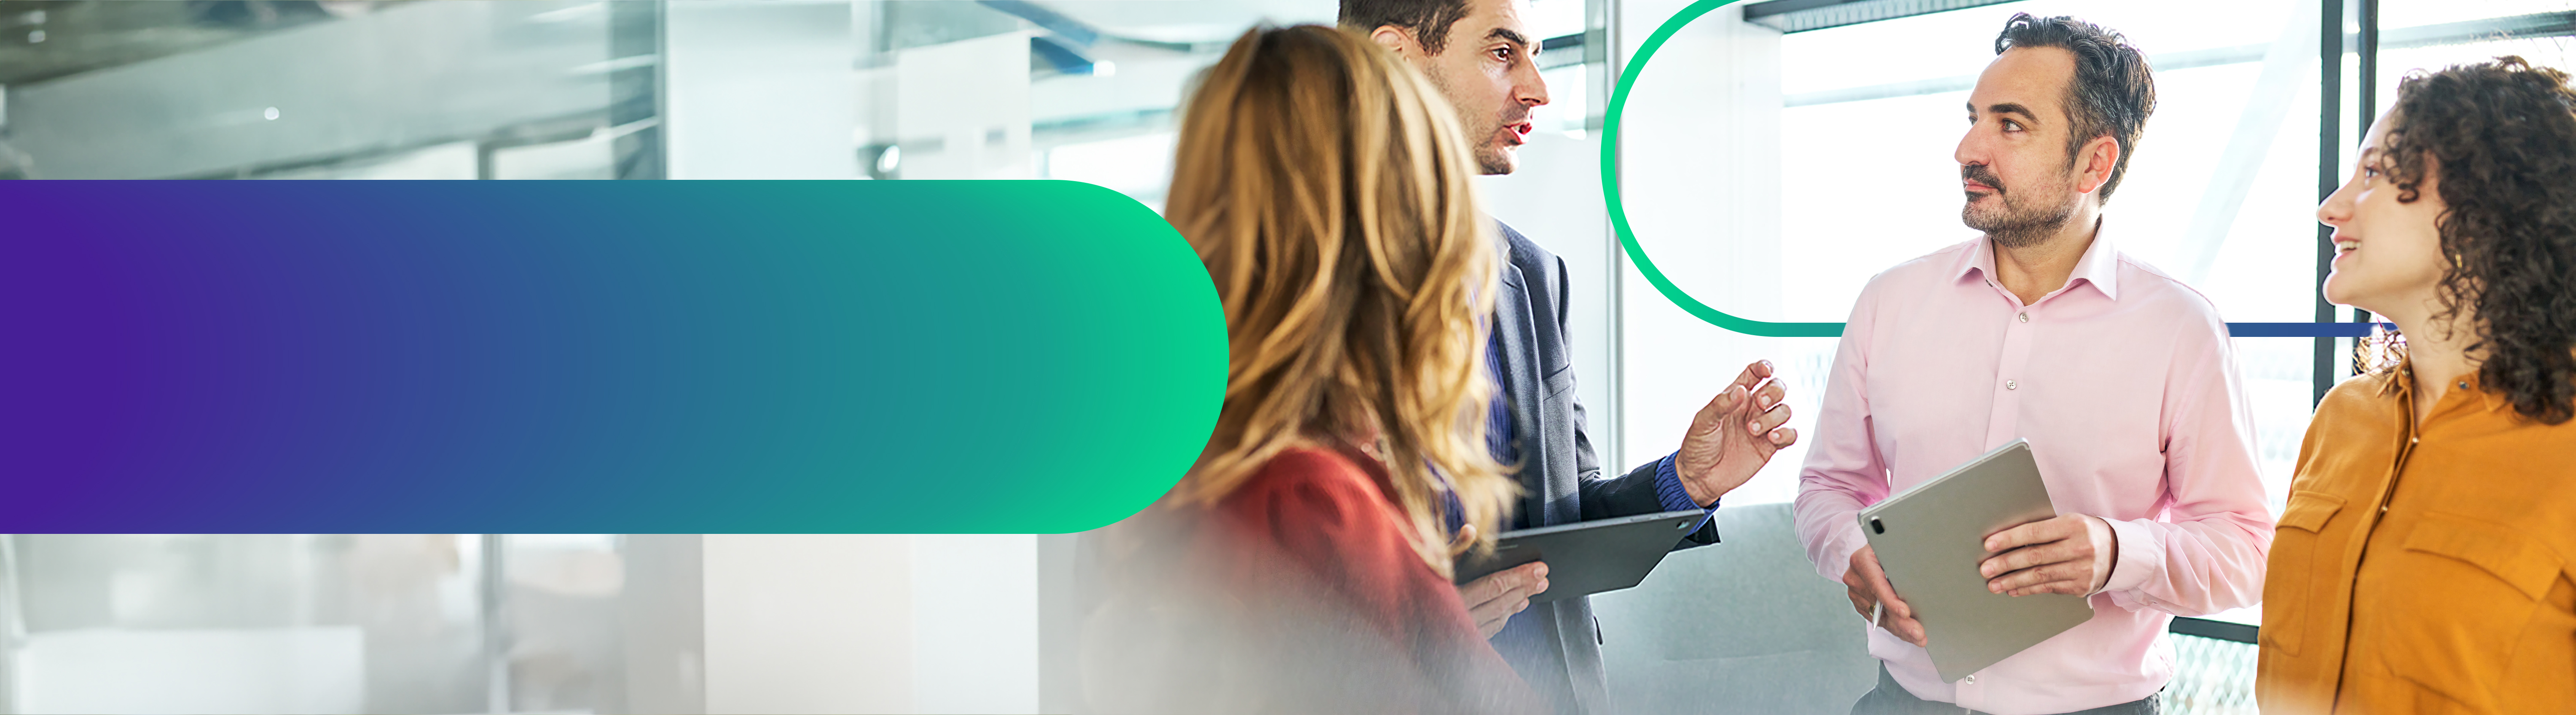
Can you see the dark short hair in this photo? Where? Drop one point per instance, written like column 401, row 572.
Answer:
column 1428, row 20
column 2502, row 134
column 2112, row 91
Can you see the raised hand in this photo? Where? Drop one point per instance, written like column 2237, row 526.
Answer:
column 1734, row 435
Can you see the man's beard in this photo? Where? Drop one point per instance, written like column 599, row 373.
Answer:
column 1494, row 159
column 1493, row 156
column 2017, row 225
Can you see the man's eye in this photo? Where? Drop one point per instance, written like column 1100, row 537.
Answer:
column 1503, row 53
column 2012, row 126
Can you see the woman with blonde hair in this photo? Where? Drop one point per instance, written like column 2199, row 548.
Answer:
column 1304, row 563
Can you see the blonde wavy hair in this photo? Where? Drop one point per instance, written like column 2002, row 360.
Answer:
column 1326, row 185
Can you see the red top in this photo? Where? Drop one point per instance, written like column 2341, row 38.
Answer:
column 1296, row 593
column 1318, row 528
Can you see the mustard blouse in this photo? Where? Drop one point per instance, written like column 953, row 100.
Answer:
column 2423, row 570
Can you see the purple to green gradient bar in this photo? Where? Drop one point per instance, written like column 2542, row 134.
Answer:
column 595, row 357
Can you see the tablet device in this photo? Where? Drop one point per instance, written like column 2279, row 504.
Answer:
column 1930, row 540
column 1588, row 557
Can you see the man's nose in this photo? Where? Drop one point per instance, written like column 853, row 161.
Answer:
column 1532, row 88
column 1970, row 151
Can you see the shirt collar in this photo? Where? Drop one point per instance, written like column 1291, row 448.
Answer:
column 2098, row 267
column 2401, row 382
column 2489, row 399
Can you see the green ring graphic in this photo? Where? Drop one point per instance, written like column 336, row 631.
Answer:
column 1619, row 213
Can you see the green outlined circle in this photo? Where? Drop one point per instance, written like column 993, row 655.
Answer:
column 1619, row 214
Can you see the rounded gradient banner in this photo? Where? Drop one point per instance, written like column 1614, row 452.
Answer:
column 595, row 357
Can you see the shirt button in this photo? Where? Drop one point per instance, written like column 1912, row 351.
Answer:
column 1971, row 680
column 2012, row 385
column 2025, row 317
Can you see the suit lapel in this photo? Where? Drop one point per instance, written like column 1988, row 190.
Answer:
column 1512, row 326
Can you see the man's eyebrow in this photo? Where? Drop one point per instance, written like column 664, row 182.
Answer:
column 2028, row 116
column 1508, row 35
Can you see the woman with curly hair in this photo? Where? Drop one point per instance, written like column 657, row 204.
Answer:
column 2423, row 562
column 1303, row 565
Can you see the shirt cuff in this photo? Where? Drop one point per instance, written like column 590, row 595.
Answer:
column 1840, row 543
column 1669, row 489
column 2140, row 555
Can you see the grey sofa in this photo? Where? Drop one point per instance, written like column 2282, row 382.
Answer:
column 1743, row 626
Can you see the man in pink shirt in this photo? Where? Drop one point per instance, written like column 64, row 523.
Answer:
column 2121, row 377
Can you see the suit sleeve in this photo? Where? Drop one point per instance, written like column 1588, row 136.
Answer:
column 1627, row 494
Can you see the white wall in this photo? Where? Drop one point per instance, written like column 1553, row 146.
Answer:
column 1555, row 200
column 962, row 109
column 870, row 623
column 199, row 670
column 975, row 615
column 809, row 623
column 760, row 90
column 1700, row 166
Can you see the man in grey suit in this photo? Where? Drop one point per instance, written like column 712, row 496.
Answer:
column 1480, row 55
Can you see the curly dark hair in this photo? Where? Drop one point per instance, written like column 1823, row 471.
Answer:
column 2113, row 91
column 2503, row 136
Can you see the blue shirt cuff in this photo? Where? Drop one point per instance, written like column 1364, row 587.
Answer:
column 1668, row 487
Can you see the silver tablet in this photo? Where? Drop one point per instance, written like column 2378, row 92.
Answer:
column 1930, row 540
column 1588, row 557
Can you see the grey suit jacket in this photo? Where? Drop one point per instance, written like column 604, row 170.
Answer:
column 1560, row 474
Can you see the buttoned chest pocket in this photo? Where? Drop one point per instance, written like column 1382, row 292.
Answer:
column 2292, row 573
column 2457, row 598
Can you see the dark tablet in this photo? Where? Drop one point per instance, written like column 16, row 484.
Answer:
column 1589, row 557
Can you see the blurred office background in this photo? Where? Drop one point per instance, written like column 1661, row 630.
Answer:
column 1774, row 157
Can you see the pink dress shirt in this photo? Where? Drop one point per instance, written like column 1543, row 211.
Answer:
column 2125, row 384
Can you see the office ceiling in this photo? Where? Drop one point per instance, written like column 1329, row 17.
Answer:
column 1197, row 21
column 44, row 39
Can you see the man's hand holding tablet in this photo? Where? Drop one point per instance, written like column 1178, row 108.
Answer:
column 1877, row 601
column 2070, row 554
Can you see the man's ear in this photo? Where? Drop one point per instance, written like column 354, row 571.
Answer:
column 1397, row 40
column 2100, row 156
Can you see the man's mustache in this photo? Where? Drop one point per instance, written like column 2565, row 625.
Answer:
column 1980, row 174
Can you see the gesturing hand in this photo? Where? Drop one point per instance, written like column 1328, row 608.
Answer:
column 1734, row 435
column 1869, row 591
